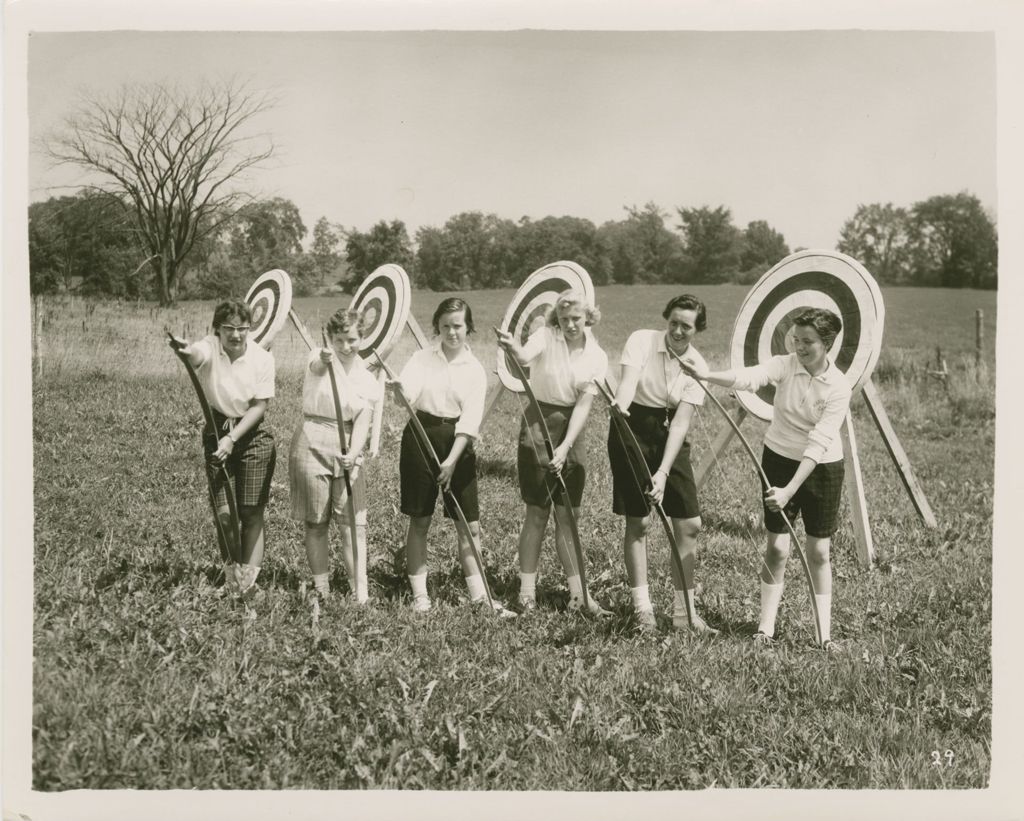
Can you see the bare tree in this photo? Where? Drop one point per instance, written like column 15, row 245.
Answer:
column 173, row 158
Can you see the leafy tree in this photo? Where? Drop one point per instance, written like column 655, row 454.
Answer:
column 384, row 242
column 172, row 157
column 82, row 241
column 640, row 248
column 470, row 251
column 326, row 249
column 711, row 243
column 954, row 242
column 560, row 238
column 761, row 247
column 267, row 234
column 878, row 236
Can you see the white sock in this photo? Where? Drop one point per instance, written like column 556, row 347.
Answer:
column 321, row 581
column 575, row 587
column 679, row 608
column 641, row 598
column 824, row 602
column 419, row 585
column 476, row 587
column 527, row 585
column 771, row 595
column 361, row 584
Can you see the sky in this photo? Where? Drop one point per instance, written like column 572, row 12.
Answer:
column 795, row 128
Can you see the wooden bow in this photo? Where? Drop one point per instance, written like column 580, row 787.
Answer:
column 635, row 460
column 429, row 455
column 230, row 542
column 765, row 487
column 351, row 504
column 519, row 372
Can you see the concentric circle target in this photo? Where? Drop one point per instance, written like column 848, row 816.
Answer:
column 270, row 299
column 384, row 297
column 809, row 279
column 533, row 300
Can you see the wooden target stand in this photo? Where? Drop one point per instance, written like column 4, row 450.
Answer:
column 822, row 279
column 528, row 308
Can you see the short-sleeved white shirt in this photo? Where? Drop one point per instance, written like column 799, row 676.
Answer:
column 231, row 386
column 559, row 376
column 448, row 389
column 662, row 383
column 807, row 411
column 357, row 389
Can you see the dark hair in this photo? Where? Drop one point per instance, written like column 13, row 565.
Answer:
column 688, row 302
column 229, row 308
column 825, row 323
column 345, row 318
column 451, row 306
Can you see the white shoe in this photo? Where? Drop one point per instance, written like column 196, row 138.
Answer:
column 499, row 609
column 595, row 609
column 421, row 604
column 645, row 621
column 699, row 626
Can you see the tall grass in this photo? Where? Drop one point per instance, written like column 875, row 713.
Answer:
column 144, row 677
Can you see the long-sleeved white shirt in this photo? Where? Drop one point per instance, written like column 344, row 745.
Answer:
column 457, row 388
column 559, row 376
column 808, row 410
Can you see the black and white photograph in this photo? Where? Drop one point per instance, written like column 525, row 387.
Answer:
column 424, row 410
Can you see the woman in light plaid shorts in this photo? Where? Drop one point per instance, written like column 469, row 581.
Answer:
column 316, row 464
column 237, row 376
column 802, row 458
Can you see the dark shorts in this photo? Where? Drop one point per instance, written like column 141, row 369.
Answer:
column 649, row 425
column 817, row 500
column 250, row 465
column 536, row 485
column 418, row 479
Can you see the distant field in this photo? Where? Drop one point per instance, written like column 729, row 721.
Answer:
column 143, row 678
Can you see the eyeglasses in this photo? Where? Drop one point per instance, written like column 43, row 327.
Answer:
column 242, row 329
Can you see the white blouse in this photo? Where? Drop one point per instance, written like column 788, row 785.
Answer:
column 559, row 376
column 448, row 389
column 662, row 383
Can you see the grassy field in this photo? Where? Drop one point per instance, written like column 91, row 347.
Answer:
column 143, row 677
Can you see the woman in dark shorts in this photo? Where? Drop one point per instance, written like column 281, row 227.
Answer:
column 564, row 360
column 802, row 458
column 660, row 399
column 237, row 376
column 446, row 385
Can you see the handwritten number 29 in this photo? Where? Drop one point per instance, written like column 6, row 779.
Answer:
column 937, row 758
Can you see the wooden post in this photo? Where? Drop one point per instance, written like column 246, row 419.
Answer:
column 378, row 417
column 417, row 331
column 898, row 455
column 979, row 341
column 702, row 470
column 294, row 317
column 854, row 482
column 491, row 401
column 37, row 327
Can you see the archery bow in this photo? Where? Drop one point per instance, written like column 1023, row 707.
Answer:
column 766, row 485
column 353, row 530
column 636, row 461
column 226, row 540
column 429, row 455
column 520, row 374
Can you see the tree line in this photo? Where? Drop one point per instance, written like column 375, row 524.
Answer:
column 165, row 215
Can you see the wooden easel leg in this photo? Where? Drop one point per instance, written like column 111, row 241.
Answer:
column 854, row 482
column 417, row 331
column 702, row 470
column 301, row 328
column 378, row 416
column 493, row 396
column 899, row 456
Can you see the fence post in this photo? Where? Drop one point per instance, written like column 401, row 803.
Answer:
column 979, row 341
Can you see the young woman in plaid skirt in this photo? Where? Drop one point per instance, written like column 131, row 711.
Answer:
column 446, row 385
column 237, row 377
column 802, row 457
column 564, row 360
column 316, row 465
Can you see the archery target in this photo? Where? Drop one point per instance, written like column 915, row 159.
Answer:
column 529, row 307
column 809, row 279
column 270, row 299
column 384, row 298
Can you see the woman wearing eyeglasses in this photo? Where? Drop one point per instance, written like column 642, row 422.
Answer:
column 237, row 377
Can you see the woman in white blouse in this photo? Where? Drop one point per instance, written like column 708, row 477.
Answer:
column 802, row 457
column 659, row 400
column 564, row 360
column 446, row 385
column 315, row 462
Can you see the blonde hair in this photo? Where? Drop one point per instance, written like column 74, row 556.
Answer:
column 573, row 298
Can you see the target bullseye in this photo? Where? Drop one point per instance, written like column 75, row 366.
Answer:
column 269, row 299
column 529, row 307
column 809, row 279
column 384, row 298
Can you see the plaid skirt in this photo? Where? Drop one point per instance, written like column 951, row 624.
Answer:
column 316, row 476
column 250, row 467
column 536, row 484
column 817, row 500
column 650, row 426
